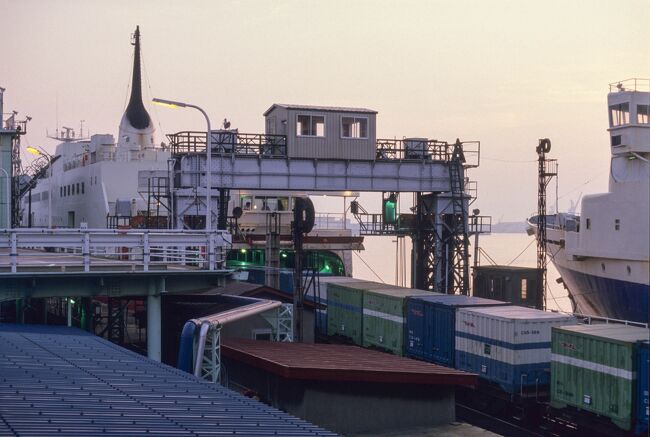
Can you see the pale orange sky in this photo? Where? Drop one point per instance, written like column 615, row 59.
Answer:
column 502, row 72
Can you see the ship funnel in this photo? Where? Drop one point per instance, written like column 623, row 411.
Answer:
column 136, row 128
column 135, row 111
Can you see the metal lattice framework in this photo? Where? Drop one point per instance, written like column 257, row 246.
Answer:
column 546, row 170
column 455, row 238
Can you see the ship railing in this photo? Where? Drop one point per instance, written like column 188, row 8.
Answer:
column 86, row 250
column 632, row 84
column 330, row 220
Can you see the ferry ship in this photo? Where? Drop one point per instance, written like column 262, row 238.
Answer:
column 103, row 183
column 603, row 253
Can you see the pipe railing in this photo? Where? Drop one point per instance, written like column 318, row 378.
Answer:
column 85, row 250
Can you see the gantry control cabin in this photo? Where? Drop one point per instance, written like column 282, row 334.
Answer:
column 324, row 132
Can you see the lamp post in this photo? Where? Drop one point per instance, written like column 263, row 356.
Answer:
column 208, row 157
column 37, row 152
column 8, row 197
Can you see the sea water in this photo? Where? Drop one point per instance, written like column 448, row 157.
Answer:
column 381, row 256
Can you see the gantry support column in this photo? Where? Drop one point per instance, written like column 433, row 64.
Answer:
column 154, row 319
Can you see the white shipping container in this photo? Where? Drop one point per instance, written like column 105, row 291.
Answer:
column 508, row 345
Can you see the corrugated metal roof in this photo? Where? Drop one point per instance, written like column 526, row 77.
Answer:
column 333, row 362
column 63, row 381
column 319, row 108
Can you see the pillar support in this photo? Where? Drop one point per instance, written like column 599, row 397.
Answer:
column 154, row 319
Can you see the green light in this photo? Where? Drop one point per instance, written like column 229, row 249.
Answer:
column 242, row 250
column 390, row 209
column 283, row 255
column 72, row 301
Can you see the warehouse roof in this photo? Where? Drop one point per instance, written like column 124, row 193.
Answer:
column 64, row 381
column 333, row 362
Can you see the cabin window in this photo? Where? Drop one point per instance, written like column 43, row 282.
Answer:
column 60, row 191
column 83, row 188
column 588, row 223
column 524, row 288
column 617, row 224
column 642, row 112
column 616, row 140
column 246, row 203
column 270, row 126
column 78, row 191
column 354, row 127
column 310, row 125
column 619, row 114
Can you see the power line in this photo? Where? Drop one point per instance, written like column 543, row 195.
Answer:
column 370, row 268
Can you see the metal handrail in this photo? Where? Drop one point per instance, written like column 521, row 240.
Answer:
column 136, row 249
column 229, row 143
column 631, row 84
column 275, row 146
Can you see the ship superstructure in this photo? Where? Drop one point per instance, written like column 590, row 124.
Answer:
column 91, row 178
column 603, row 253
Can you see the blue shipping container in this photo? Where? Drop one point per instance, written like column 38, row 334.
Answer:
column 431, row 325
column 642, row 403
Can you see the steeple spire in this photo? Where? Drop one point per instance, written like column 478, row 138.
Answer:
column 135, row 111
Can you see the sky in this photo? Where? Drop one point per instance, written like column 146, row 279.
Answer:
column 505, row 73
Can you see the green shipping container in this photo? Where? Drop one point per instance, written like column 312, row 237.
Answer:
column 384, row 317
column 593, row 368
column 345, row 308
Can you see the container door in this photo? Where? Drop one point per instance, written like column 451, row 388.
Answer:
column 443, row 329
column 415, row 329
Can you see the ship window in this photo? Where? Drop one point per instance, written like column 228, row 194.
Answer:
column 617, row 224
column 616, row 140
column 588, row 223
column 642, row 112
column 524, row 288
column 77, row 190
column 629, row 270
column 354, row 127
column 60, row 191
column 310, row 125
column 83, row 188
column 619, row 114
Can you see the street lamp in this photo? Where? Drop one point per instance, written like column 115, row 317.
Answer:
column 208, row 157
column 47, row 156
column 8, row 196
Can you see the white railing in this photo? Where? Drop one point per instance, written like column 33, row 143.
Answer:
column 331, row 220
column 104, row 249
